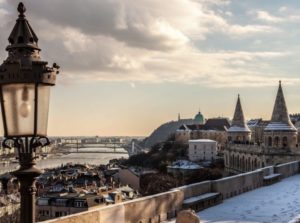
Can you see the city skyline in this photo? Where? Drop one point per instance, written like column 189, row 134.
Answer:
column 131, row 67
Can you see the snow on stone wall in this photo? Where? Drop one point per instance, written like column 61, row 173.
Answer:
column 287, row 169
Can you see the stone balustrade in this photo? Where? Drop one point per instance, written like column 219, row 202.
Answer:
column 160, row 207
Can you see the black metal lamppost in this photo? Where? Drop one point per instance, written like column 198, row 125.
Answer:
column 25, row 82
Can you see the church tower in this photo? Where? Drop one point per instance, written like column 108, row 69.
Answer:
column 239, row 131
column 280, row 132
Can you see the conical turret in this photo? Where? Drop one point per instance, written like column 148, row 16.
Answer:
column 238, row 122
column 280, row 120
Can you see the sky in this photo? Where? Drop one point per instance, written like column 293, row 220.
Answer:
column 128, row 66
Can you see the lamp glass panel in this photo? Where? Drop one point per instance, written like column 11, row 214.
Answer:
column 19, row 109
column 43, row 109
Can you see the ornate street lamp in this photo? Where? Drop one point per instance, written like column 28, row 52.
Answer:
column 25, row 82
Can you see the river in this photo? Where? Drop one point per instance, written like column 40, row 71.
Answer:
column 56, row 160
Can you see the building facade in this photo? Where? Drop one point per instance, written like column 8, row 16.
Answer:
column 274, row 142
column 202, row 150
column 213, row 129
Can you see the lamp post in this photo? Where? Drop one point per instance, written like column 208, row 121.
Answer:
column 25, row 82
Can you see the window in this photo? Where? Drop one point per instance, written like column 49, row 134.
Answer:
column 79, row 204
column 42, row 201
column 60, row 202
column 20, row 39
column 60, row 213
column 44, row 213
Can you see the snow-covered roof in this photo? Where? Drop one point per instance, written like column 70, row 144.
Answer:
column 239, row 129
column 253, row 122
column 201, row 140
column 280, row 126
column 184, row 164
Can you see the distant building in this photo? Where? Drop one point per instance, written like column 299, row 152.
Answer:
column 132, row 176
column 202, row 150
column 199, row 118
column 214, row 129
column 62, row 204
column 257, row 127
column 182, row 169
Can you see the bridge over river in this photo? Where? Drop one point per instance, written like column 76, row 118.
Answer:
column 118, row 148
column 83, row 151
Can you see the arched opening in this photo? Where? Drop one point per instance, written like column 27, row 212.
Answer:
column 276, row 141
column 269, row 141
column 229, row 138
column 243, row 163
column 249, row 164
column 284, row 142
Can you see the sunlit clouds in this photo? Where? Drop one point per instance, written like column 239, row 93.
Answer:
column 155, row 41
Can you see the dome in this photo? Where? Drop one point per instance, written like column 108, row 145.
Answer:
column 199, row 118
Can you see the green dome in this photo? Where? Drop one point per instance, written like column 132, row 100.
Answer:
column 199, row 118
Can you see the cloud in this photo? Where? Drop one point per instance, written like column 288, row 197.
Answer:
column 267, row 17
column 149, row 41
column 288, row 15
column 283, row 9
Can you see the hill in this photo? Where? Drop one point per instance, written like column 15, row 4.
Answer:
column 163, row 132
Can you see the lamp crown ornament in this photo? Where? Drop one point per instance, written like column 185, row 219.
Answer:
column 21, row 9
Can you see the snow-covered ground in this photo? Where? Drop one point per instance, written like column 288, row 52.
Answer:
column 279, row 202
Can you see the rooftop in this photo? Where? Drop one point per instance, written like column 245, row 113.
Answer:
column 201, row 140
column 184, row 164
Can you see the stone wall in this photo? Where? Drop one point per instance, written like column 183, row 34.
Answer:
column 267, row 170
column 166, row 205
column 195, row 189
column 158, row 208
column 235, row 185
column 287, row 169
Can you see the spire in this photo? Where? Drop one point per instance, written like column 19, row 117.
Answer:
column 280, row 114
column 22, row 35
column 238, row 122
column 179, row 117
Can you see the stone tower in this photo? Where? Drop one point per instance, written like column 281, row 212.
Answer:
column 239, row 131
column 280, row 132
